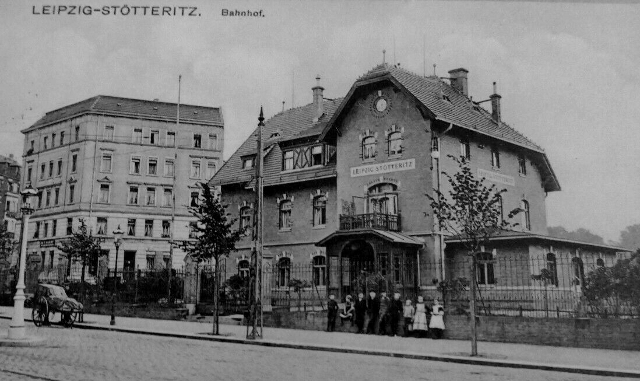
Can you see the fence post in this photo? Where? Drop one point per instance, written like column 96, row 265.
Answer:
column 520, row 310
column 558, row 311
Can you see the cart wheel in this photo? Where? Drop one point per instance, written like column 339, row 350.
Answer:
column 39, row 311
column 68, row 318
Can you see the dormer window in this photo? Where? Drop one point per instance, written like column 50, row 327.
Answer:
column 316, row 155
column 302, row 157
column 248, row 162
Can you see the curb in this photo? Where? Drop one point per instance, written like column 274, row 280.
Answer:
column 407, row 355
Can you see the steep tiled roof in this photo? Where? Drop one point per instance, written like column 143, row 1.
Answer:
column 296, row 123
column 458, row 109
column 127, row 107
column 8, row 160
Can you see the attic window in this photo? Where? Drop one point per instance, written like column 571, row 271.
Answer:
column 274, row 135
column 155, row 108
column 476, row 107
column 445, row 97
column 119, row 104
column 195, row 112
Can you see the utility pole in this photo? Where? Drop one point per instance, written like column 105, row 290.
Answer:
column 255, row 317
column 173, row 196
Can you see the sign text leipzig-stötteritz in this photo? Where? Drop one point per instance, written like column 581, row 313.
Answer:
column 376, row 169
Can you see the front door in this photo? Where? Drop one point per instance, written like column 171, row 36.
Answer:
column 129, row 266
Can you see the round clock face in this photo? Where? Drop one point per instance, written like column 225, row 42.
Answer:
column 381, row 104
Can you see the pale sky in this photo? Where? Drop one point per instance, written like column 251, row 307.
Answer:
column 568, row 72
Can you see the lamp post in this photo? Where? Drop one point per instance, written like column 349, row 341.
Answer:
column 16, row 329
column 117, row 240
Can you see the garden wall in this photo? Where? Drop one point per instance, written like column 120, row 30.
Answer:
column 566, row 332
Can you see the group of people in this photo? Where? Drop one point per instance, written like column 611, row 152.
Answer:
column 384, row 315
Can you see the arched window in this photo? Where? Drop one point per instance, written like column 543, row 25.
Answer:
column 243, row 269
column 526, row 217
column 319, row 211
column 368, row 147
column 552, row 267
column 484, row 270
column 394, row 143
column 383, row 199
column 284, row 272
column 319, row 270
column 600, row 262
column 578, row 271
column 245, row 218
column 285, row 215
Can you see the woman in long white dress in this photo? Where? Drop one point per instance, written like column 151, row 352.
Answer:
column 437, row 319
column 420, row 327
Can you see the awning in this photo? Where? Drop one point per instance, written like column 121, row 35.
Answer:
column 392, row 237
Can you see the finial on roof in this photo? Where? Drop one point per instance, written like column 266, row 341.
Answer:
column 384, row 55
column 495, row 88
column 261, row 117
column 318, row 79
column 434, row 70
column 282, row 105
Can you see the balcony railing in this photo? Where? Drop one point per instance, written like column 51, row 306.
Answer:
column 390, row 222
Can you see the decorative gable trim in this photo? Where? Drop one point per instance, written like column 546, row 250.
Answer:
column 105, row 179
column 317, row 194
column 284, row 254
column 285, row 197
column 245, row 204
column 242, row 258
column 393, row 128
column 319, row 252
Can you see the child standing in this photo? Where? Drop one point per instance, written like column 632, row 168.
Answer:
column 437, row 319
column 420, row 326
column 408, row 313
column 332, row 307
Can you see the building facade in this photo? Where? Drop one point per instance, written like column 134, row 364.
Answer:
column 117, row 162
column 346, row 184
column 9, row 205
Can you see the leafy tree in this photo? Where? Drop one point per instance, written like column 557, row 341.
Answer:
column 215, row 239
column 472, row 213
column 7, row 246
column 630, row 237
column 298, row 285
column 82, row 246
column 581, row 234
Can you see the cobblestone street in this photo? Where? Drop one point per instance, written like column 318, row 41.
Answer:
column 75, row 354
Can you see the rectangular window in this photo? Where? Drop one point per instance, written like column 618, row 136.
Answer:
column 43, row 170
column 137, row 135
column 134, row 167
column 59, row 173
column 54, row 227
column 61, row 138
column 167, row 197
column 46, row 142
column 195, row 169
column 152, row 168
column 171, row 139
column 316, row 155
column 435, row 144
column 133, row 195
column 77, row 133
column 495, row 158
column 151, row 262
column 69, row 226
column 74, row 163
column 168, row 167
column 211, row 170
column 102, row 225
column 213, row 141
column 108, row 133
column 48, row 199
column 148, row 228
column 465, row 149
column 45, row 230
column 131, row 226
column 166, row 229
column 72, row 190
column 522, row 165
column 40, row 199
column 194, row 199
column 154, row 137
column 36, row 231
column 197, row 141
column 29, row 173
column 33, row 144
column 51, row 169
column 104, row 193
column 193, row 230
column 287, row 161
column 247, row 163
column 151, row 196
column 56, row 196
column 53, row 140
column 105, row 165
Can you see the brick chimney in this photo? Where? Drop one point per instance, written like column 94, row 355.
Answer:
column 318, row 99
column 458, row 78
column 495, row 104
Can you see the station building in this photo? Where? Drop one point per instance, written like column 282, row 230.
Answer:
column 346, row 183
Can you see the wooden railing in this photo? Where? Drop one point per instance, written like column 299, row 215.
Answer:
column 390, row 222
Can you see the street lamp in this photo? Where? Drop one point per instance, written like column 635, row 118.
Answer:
column 16, row 329
column 117, row 240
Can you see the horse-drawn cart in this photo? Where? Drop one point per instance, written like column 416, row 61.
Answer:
column 50, row 299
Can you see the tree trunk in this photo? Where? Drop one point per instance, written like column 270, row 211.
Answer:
column 216, row 298
column 84, row 265
column 472, row 306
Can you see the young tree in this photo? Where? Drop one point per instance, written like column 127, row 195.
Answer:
column 7, row 246
column 215, row 239
column 81, row 246
column 472, row 213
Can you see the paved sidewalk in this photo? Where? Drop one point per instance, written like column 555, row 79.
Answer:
column 576, row 360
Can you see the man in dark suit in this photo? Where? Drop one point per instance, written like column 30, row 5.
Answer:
column 395, row 313
column 332, row 307
column 373, row 312
column 361, row 310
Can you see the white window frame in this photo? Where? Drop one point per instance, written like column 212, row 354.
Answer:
column 167, row 141
column 108, row 133
column 195, row 164
column 166, row 167
column 210, row 172
column 132, row 165
column 74, row 163
column 146, row 196
column 137, row 201
column 213, row 141
column 149, row 162
column 105, row 155
column 166, row 202
column 133, row 136
column 101, row 199
column 194, row 140
column 154, row 137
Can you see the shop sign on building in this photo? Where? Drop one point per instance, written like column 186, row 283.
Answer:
column 376, row 169
column 496, row 177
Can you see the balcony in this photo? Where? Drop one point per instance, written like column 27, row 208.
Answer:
column 389, row 222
